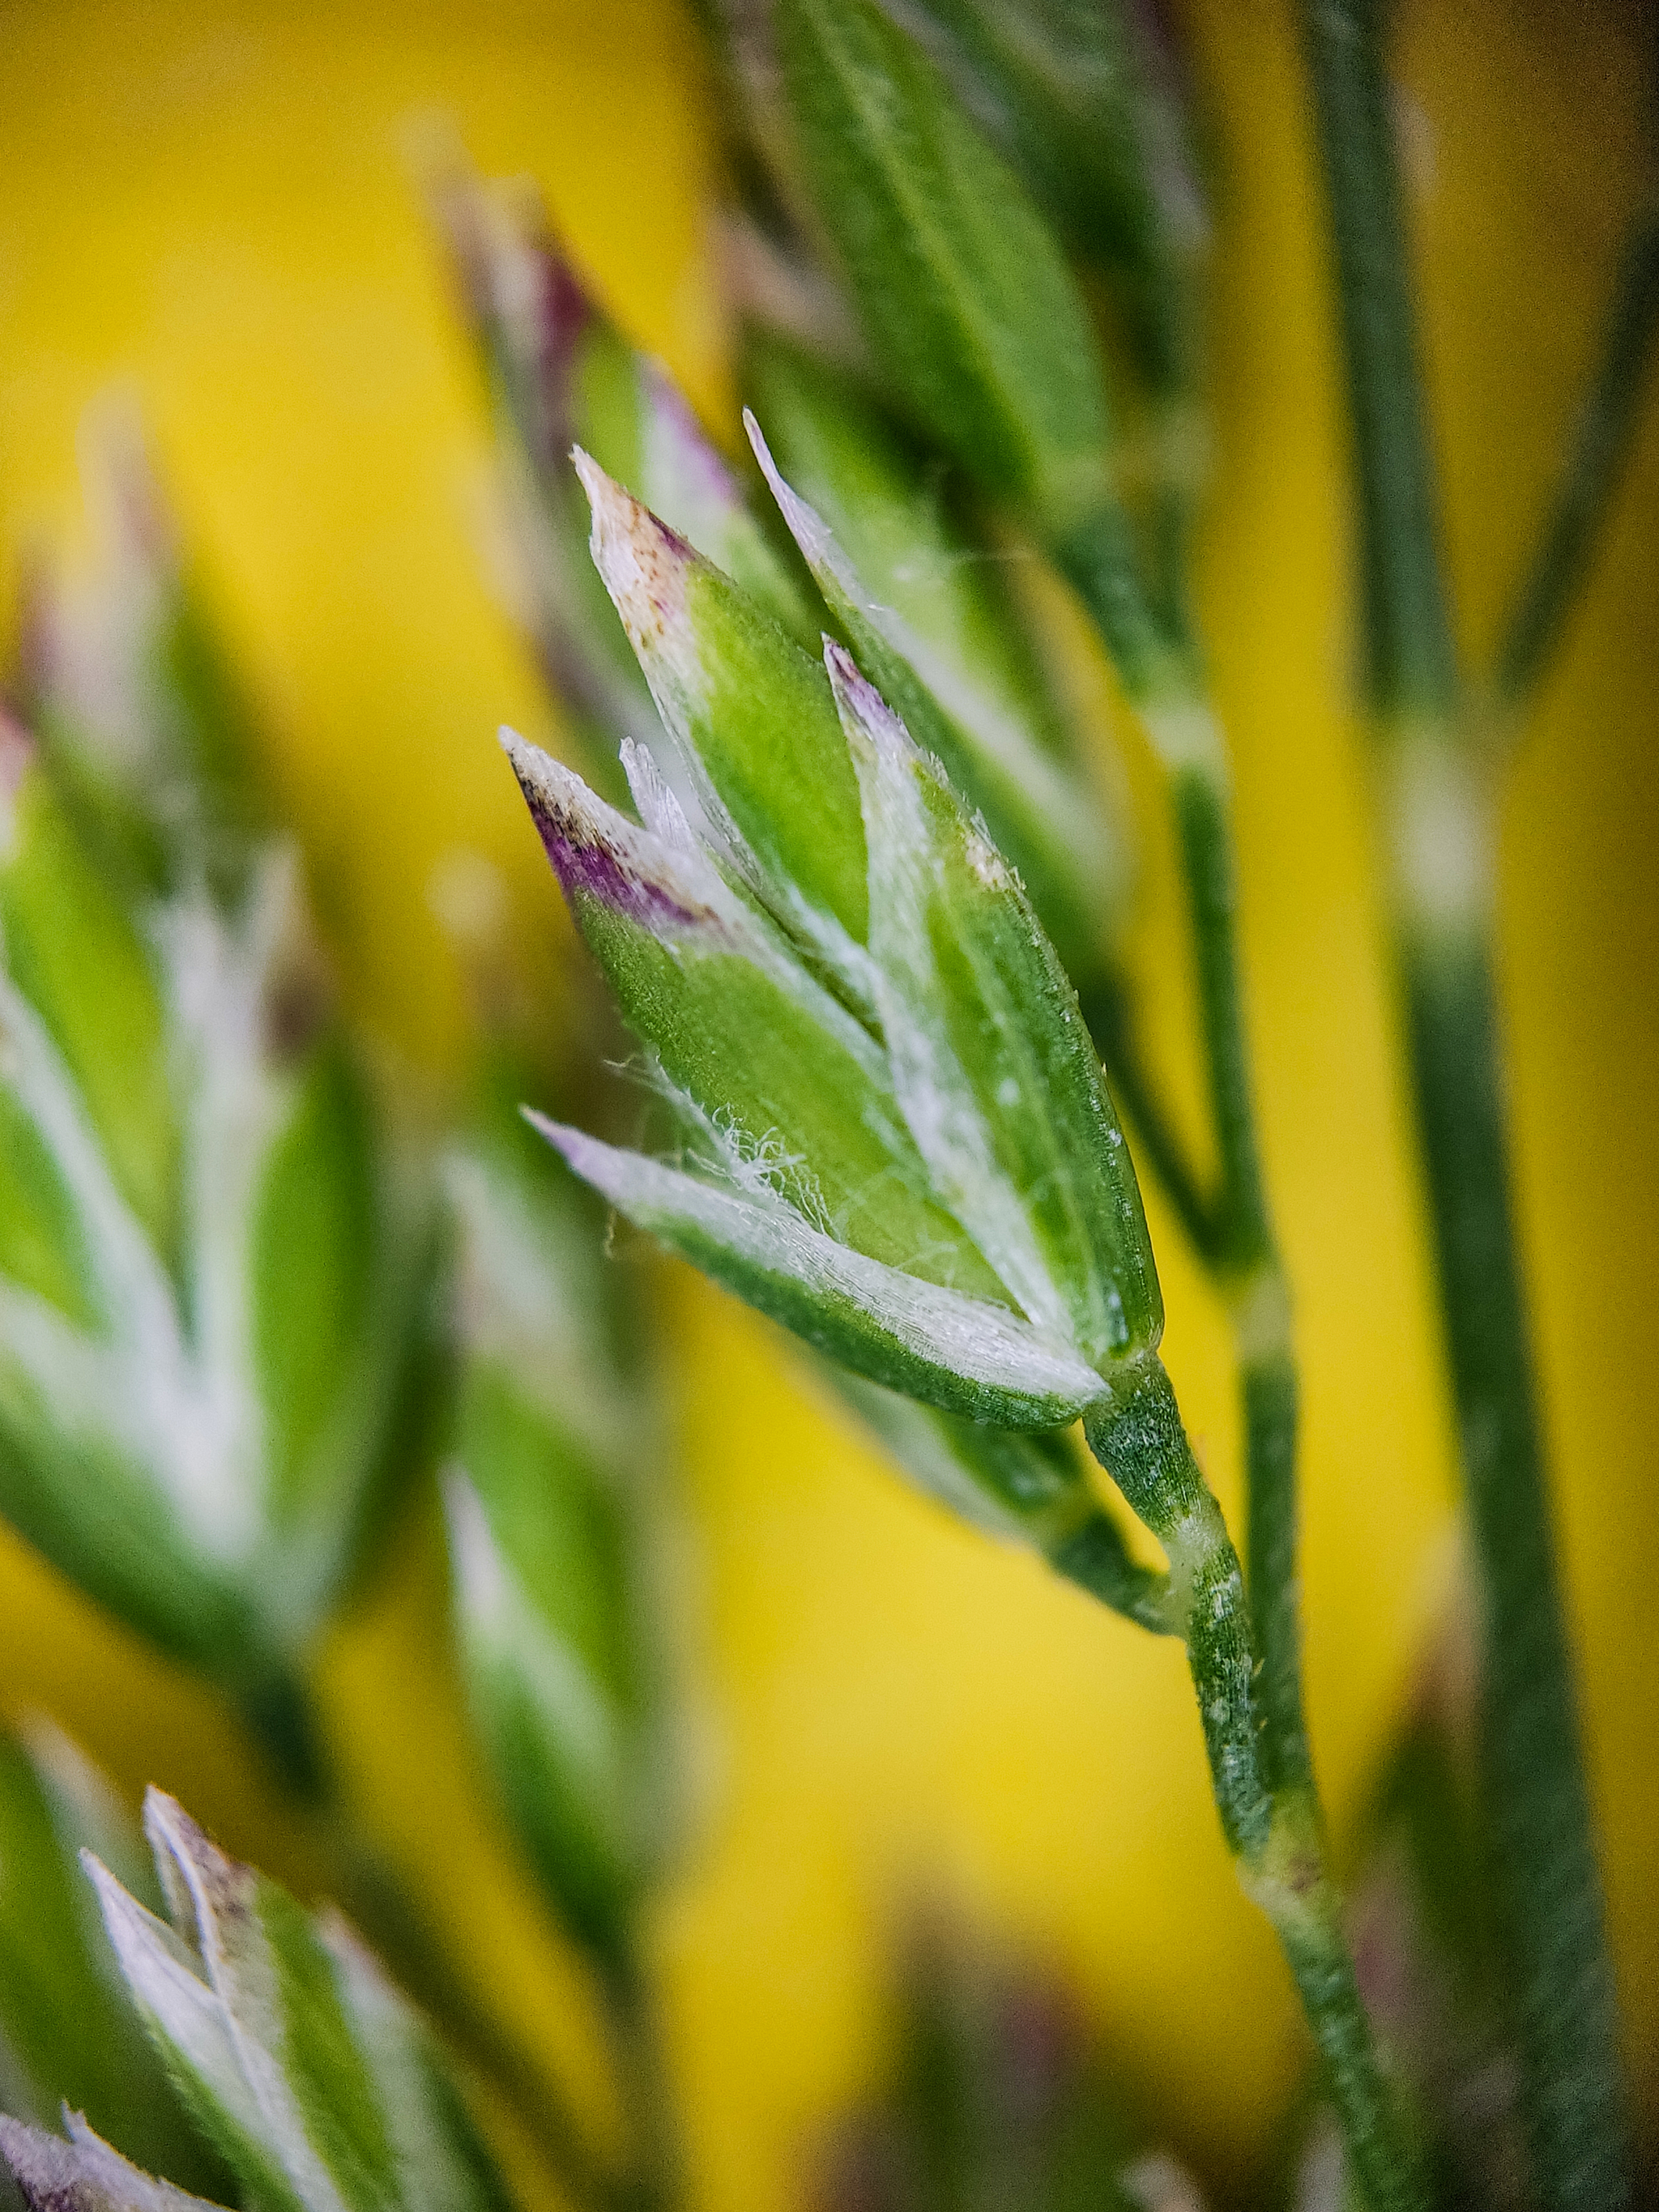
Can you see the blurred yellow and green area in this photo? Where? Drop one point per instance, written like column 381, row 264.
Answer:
column 211, row 208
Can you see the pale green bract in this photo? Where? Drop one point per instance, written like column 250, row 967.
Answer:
column 1082, row 97
column 206, row 1276
column 549, row 1531
column 933, row 628
column 560, row 372
column 978, row 327
column 321, row 2086
column 965, row 299
column 67, row 2032
column 913, row 1162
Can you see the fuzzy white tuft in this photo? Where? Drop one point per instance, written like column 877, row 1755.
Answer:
column 984, row 1344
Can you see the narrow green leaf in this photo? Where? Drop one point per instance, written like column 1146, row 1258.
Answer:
column 1079, row 95
column 99, row 1514
column 197, row 2043
column 59, row 2025
column 140, row 711
column 549, row 1534
column 316, row 2082
column 42, row 1244
column 316, row 1236
column 438, row 2155
column 1017, row 1484
column 552, row 1702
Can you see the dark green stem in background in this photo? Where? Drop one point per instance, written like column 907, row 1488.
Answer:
column 1594, row 463
column 1108, row 1008
column 1274, row 1834
column 654, row 2182
column 1410, row 658
column 1537, row 1802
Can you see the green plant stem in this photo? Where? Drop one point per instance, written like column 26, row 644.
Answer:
column 1548, row 1890
column 1246, row 1656
column 1274, row 1835
column 655, row 2180
column 1594, row 463
column 280, row 1714
column 1537, row 1802
column 1249, row 1268
column 1269, row 1764
column 1232, row 1234
column 1410, row 658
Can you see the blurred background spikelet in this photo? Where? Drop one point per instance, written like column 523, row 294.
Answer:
column 212, row 209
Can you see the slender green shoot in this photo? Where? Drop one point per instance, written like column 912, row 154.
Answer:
column 655, row 2180
column 1273, row 1832
column 1594, row 467
column 1537, row 1802
column 1411, row 662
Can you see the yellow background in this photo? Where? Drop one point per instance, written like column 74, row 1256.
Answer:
column 214, row 204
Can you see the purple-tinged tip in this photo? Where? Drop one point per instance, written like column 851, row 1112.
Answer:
column 521, row 295
column 866, row 716
column 803, row 521
column 598, row 854
column 642, row 564
column 16, row 753
column 685, row 472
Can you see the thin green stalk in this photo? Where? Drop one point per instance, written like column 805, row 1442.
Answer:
column 1410, row 658
column 1543, row 1840
column 655, row 2180
column 1271, row 1762
column 1275, row 1837
column 1234, row 1235
column 1249, row 1269
column 1537, row 1802
column 1594, row 463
